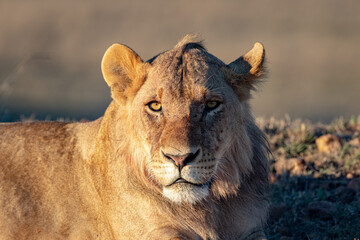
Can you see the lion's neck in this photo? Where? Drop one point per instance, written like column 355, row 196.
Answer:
column 86, row 135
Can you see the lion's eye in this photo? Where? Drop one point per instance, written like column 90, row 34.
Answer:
column 211, row 105
column 155, row 106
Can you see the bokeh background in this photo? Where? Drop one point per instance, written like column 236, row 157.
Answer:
column 50, row 51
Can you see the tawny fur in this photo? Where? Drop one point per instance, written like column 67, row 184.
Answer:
column 112, row 178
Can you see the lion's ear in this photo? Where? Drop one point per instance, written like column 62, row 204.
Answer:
column 249, row 68
column 124, row 71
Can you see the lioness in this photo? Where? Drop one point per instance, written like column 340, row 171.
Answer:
column 176, row 155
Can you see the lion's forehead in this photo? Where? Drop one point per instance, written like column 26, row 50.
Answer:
column 185, row 75
column 180, row 65
column 186, row 85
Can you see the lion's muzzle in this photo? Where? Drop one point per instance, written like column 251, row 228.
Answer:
column 180, row 160
column 185, row 172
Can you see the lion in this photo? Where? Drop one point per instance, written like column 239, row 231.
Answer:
column 176, row 155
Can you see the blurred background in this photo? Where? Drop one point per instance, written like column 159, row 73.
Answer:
column 50, row 51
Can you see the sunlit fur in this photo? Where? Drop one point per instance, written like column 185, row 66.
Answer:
column 110, row 179
column 186, row 193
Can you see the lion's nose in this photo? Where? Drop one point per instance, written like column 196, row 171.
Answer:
column 182, row 160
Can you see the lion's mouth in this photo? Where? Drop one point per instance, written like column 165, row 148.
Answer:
column 182, row 190
column 183, row 181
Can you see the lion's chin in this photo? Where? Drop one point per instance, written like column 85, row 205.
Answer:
column 186, row 192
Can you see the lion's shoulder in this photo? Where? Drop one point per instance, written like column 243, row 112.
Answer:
column 30, row 135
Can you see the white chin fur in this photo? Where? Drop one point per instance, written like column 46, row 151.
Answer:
column 185, row 193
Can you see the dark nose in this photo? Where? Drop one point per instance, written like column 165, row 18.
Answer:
column 182, row 160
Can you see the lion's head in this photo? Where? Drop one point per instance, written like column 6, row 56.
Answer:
column 188, row 116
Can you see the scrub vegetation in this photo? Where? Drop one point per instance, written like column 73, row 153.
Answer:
column 315, row 175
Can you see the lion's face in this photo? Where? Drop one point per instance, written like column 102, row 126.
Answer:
column 184, row 116
column 186, row 110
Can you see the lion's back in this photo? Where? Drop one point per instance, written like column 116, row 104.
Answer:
column 38, row 180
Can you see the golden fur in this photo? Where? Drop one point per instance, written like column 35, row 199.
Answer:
column 195, row 169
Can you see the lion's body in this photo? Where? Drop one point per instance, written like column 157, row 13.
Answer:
column 41, row 175
column 118, row 177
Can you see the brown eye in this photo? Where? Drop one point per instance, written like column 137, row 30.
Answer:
column 211, row 105
column 155, row 106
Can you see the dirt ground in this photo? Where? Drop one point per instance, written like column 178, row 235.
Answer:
column 315, row 175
